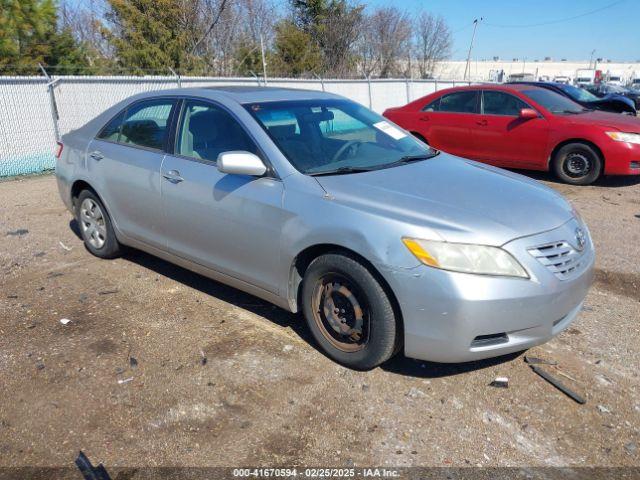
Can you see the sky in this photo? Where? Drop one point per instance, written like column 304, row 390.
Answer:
column 507, row 29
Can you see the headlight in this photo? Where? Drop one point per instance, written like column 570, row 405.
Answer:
column 466, row 258
column 625, row 137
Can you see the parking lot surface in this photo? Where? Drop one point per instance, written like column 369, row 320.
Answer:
column 158, row 366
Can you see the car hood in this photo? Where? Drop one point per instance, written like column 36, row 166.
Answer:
column 459, row 200
column 616, row 121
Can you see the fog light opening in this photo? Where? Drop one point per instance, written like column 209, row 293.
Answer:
column 489, row 340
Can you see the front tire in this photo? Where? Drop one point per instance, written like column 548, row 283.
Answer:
column 349, row 312
column 95, row 226
column 577, row 164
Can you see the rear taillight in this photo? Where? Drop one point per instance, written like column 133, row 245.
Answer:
column 59, row 147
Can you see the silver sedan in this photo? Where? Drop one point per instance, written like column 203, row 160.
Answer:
column 319, row 205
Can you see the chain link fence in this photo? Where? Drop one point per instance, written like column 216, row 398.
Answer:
column 36, row 111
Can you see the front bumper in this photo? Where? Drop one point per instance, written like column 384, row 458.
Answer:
column 621, row 158
column 456, row 317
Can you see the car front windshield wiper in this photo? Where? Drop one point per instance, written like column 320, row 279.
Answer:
column 341, row 171
column 410, row 159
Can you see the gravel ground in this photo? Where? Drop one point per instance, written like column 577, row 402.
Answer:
column 127, row 382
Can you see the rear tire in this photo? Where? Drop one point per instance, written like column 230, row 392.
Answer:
column 95, row 226
column 349, row 312
column 577, row 164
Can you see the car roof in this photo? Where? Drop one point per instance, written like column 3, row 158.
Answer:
column 494, row 86
column 244, row 94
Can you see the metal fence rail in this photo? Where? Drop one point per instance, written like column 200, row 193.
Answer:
column 34, row 111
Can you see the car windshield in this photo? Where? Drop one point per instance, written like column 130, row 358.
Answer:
column 321, row 137
column 554, row 102
column 579, row 94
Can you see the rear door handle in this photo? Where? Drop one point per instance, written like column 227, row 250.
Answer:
column 173, row 176
column 96, row 155
column 482, row 123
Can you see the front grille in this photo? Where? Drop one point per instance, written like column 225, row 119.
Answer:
column 560, row 258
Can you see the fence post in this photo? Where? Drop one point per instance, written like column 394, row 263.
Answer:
column 177, row 77
column 408, row 89
column 51, row 85
column 321, row 80
column 436, row 82
column 370, row 99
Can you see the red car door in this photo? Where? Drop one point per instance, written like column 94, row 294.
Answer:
column 446, row 122
column 503, row 138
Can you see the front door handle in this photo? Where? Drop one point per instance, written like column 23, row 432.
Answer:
column 173, row 176
column 424, row 118
column 482, row 123
column 96, row 155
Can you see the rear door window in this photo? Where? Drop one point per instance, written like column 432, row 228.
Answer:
column 500, row 103
column 111, row 130
column 459, row 102
column 146, row 124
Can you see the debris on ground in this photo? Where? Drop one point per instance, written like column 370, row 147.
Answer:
column 68, row 249
column 631, row 448
column 287, row 348
column 65, row 321
column 18, row 233
column 133, row 362
column 124, row 380
column 415, row 393
column 558, row 384
column 203, row 360
column 538, row 361
column 603, row 409
column 108, row 292
column 88, row 471
column 500, row 382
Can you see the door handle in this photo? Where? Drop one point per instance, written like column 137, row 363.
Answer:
column 482, row 123
column 424, row 118
column 173, row 176
column 96, row 155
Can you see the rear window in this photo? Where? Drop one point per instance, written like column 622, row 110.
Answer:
column 459, row 102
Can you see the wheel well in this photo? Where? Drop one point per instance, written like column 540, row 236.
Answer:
column 308, row 255
column 576, row 140
column 78, row 187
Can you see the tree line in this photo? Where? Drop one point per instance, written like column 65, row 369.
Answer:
column 306, row 38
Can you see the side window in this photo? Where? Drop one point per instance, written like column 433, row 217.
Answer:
column 147, row 123
column 500, row 103
column 433, row 106
column 206, row 131
column 111, row 131
column 459, row 102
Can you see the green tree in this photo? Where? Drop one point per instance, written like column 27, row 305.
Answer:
column 29, row 35
column 295, row 52
column 150, row 35
column 25, row 29
column 334, row 27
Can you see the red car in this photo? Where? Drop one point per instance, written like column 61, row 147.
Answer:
column 522, row 126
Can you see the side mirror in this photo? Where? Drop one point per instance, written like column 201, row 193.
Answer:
column 241, row 163
column 528, row 113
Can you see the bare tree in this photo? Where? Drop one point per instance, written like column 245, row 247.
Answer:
column 336, row 36
column 432, row 42
column 386, row 36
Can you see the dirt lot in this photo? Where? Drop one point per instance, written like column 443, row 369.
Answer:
column 265, row 396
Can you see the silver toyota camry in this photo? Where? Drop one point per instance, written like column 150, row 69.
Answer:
column 319, row 205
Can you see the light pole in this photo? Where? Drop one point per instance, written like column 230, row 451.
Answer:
column 591, row 57
column 264, row 61
column 466, row 68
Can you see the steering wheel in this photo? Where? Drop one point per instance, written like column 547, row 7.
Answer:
column 344, row 148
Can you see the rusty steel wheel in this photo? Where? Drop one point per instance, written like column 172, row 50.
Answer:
column 340, row 312
column 349, row 312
